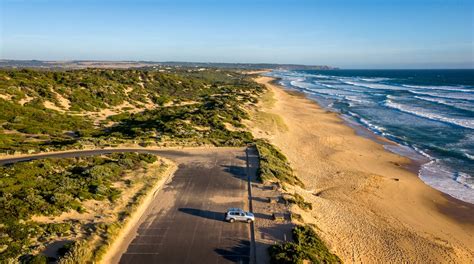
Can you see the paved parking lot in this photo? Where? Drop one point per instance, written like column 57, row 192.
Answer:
column 185, row 223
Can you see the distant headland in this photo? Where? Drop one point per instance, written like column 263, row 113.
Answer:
column 80, row 64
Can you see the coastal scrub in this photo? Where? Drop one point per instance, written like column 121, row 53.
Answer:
column 274, row 166
column 307, row 246
column 49, row 201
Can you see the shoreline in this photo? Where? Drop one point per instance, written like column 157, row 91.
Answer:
column 421, row 164
column 414, row 165
column 368, row 205
column 416, row 160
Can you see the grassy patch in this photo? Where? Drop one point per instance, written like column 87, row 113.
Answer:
column 269, row 121
column 274, row 166
column 45, row 189
column 307, row 246
column 297, row 217
column 79, row 252
column 299, row 201
column 181, row 123
column 268, row 99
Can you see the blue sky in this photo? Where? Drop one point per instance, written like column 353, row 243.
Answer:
column 348, row 34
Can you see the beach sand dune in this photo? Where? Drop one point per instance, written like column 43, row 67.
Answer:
column 366, row 205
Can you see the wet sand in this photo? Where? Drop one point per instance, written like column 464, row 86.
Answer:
column 367, row 205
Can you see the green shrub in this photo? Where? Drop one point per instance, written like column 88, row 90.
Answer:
column 306, row 246
column 50, row 187
column 148, row 158
column 37, row 259
column 297, row 217
column 220, row 97
column 287, row 253
column 274, row 165
column 299, row 200
column 80, row 252
column 66, row 248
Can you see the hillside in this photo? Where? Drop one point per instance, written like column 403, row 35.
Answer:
column 43, row 110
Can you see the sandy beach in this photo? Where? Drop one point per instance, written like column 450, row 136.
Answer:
column 366, row 205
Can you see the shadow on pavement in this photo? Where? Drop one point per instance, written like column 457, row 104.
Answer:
column 260, row 199
column 239, row 172
column 263, row 216
column 218, row 216
column 280, row 232
column 240, row 253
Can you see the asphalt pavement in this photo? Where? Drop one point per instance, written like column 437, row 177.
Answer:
column 185, row 222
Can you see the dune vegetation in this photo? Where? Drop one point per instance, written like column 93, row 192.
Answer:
column 82, row 203
column 43, row 110
column 274, row 166
column 69, row 200
column 56, row 200
column 306, row 248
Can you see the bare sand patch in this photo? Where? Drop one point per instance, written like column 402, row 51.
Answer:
column 231, row 127
column 25, row 100
column 6, row 97
column 360, row 211
column 182, row 103
column 128, row 90
column 52, row 106
column 126, row 106
column 63, row 102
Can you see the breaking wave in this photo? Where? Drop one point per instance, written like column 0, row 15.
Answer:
column 422, row 112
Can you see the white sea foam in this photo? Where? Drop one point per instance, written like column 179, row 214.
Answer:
column 366, row 123
column 325, row 85
column 303, row 85
column 356, row 101
column 375, row 79
column 422, row 152
column 406, row 151
column 376, row 128
column 330, row 81
column 331, row 92
column 323, row 76
column 373, row 85
column 355, row 89
column 422, row 112
column 464, row 179
column 458, row 105
column 358, row 91
column 316, row 88
column 296, row 79
column 440, row 177
column 469, row 156
column 452, row 95
column 444, row 88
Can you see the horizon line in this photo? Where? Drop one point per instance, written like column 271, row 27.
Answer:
column 242, row 63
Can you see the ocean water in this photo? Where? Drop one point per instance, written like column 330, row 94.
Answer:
column 429, row 113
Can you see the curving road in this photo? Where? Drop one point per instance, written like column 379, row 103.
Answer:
column 184, row 223
column 83, row 153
